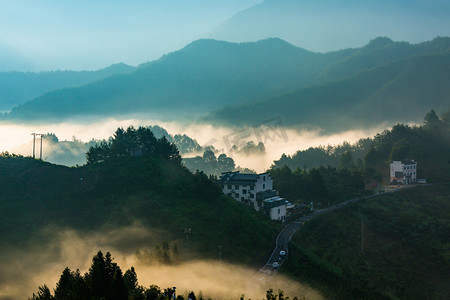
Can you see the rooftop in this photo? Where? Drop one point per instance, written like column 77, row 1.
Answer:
column 238, row 178
column 408, row 162
column 274, row 202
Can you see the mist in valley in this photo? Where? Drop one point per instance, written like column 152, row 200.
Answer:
column 250, row 80
column 67, row 143
column 23, row 270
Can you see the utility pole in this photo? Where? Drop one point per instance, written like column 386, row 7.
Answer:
column 40, row 153
column 34, row 144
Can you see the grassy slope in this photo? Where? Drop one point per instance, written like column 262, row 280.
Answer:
column 406, row 248
column 160, row 195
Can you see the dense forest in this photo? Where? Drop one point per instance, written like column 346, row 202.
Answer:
column 104, row 280
column 135, row 175
column 132, row 177
column 334, row 173
column 393, row 246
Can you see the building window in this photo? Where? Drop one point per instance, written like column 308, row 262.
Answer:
column 264, row 186
column 252, row 195
column 236, row 186
column 242, row 199
column 264, row 178
column 278, row 211
column 244, row 191
column 229, row 186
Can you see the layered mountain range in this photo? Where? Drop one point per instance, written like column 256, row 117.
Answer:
column 243, row 83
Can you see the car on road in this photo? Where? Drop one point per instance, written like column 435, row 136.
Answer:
column 282, row 253
column 275, row 265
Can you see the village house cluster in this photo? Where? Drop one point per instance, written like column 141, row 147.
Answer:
column 255, row 190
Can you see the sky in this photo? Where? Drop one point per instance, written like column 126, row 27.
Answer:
column 329, row 25
column 88, row 35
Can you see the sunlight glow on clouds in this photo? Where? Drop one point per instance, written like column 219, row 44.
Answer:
column 17, row 138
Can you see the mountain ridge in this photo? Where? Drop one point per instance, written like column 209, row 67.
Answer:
column 209, row 75
column 384, row 91
column 327, row 25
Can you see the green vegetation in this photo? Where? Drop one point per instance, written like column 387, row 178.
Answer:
column 215, row 166
column 428, row 144
column 209, row 163
column 105, row 280
column 323, row 186
column 404, row 254
column 73, row 152
column 117, row 189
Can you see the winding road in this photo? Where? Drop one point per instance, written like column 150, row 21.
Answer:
column 288, row 231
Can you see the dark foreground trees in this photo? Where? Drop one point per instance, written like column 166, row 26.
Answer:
column 105, row 281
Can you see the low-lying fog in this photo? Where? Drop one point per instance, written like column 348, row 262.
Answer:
column 277, row 140
column 23, row 270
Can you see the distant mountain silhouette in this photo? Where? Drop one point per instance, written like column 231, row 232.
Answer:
column 260, row 79
column 394, row 92
column 335, row 24
column 18, row 87
column 204, row 75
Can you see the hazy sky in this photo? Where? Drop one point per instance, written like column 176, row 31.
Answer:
column 63, row 34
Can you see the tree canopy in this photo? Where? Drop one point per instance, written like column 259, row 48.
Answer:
column 133, row 143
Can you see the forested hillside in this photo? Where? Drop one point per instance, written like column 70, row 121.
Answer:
column 404, row 253
column 329, row 174
column 397, row 91
column 132, row 178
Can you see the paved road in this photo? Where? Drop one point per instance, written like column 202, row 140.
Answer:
column 288, row 231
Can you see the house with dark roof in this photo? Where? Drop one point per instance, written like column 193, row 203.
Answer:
column 404, row 171
column 255, row 190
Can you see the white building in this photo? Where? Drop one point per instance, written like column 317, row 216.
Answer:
column 404, row 171
column 255, row 190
